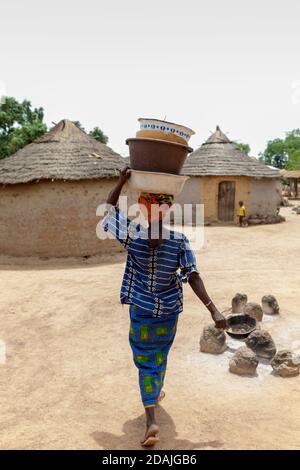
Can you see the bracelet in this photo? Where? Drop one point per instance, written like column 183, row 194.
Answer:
column 210, row 302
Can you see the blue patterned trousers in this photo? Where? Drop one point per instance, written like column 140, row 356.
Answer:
column 150, row 339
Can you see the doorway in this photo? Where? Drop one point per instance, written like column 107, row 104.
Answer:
column 226, row 201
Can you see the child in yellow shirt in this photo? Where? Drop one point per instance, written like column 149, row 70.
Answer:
column 242, row 213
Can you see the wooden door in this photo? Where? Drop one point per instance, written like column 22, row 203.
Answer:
column 226, row 201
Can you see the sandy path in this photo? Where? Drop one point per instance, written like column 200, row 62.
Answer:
column 69, row 383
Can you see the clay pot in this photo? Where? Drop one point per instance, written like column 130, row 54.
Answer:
column 157, row 155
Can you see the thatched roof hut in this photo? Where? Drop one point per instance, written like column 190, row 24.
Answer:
column 219, row 156
column 290, row 174
column 293, row 178
column 221, row 175
column 64, row 153
column 50, row 191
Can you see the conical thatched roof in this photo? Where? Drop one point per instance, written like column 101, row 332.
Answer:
column 218, row 156
column 64, row 153
column 294, row 174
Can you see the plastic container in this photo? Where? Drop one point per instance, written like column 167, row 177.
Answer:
column 153, row 182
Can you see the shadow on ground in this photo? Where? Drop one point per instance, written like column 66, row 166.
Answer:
column 133, row 432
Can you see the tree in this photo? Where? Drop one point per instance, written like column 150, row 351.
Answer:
column 99, row 135
column 79, row 125
column 293, row 162
column 283, row 153
column 292, row 143
column 19, row 125
column 243, row 147
column 275, row 154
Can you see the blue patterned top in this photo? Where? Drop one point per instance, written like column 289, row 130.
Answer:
column 153, row 276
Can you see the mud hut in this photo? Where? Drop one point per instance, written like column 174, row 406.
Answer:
column 292, row 178
column 221, row 175
column 49, row 192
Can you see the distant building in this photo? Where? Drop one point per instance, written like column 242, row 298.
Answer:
column 221, row 175
column 293, row 179
column 49, row 192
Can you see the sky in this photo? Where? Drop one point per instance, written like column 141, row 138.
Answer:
column 199, row 63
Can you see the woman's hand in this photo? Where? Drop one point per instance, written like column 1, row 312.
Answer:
column 219, row 319
column 125, row 174
column 115, row 192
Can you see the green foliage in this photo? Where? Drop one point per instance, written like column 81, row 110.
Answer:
column 79, row 125
column 19, row 125
column 293, row 149
column 243, row 147
column 293, row 161
column 99, row 135
column 283, row 153
column 275, row 154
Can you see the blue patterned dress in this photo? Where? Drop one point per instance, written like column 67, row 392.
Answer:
column 152, row 286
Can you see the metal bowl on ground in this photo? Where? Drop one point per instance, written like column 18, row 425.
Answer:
column 240, row 325
column 157, row 155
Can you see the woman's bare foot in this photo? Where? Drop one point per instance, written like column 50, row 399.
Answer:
column 151, row 436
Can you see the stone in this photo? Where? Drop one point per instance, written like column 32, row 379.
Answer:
column 270, row 305
column 238, row 303
column 285, row 363
column 272, row 219
column 254, row 221
column 243, row 362
column 213, row 340
column 269, row 219
column 254, row 310
column 261, row 342
column 285, row 201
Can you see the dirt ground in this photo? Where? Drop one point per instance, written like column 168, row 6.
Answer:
column 69, row 382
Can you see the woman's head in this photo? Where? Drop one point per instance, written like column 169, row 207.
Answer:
column 155, row 206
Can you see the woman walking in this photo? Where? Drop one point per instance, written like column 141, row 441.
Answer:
column 158, row 261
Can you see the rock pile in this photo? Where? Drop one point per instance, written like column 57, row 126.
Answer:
column 270, row 305
column 269, row 219
column 243, row 362
column 213, row 340
column 254, row 310
column 261, row 342
column 238, row 303
column 286, row 364
column 258, row 345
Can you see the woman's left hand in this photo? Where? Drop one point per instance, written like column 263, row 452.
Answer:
column 219, row 319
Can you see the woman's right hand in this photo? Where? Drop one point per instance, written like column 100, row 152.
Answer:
column 125, row 174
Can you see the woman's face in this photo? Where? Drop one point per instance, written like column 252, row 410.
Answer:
column 154, row 207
